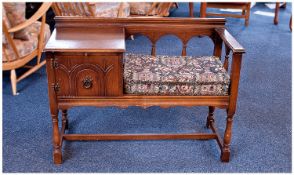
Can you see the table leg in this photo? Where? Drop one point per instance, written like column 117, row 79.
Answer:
column 57, row 154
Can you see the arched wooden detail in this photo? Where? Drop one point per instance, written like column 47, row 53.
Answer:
column 86, row 79
column 195, row 43
column 63, row 79
column 183, row 36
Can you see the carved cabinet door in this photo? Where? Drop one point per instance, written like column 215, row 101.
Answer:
column 94, row 75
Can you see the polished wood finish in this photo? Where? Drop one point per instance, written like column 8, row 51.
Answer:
column 67, row 89
column 12, row 65
column 244, row 6
column 198, row 136
column 103, row 39
column 144, row 101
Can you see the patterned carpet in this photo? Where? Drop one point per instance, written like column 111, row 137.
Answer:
column 261, row 131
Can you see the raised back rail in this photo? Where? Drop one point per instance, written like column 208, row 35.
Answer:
column 154, row 28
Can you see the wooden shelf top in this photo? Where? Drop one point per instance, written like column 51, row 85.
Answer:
column 83, row 39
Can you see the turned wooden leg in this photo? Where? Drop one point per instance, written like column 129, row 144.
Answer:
column 191, row 9
column 276, row 19
column 210, row 117
column 64, row 119
column 290, row 24
column 225, row 153
column 203, row 7
column 13, row 82
column 247, row 14
column 57, row 154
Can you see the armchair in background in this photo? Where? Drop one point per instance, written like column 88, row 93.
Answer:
column 23, row 39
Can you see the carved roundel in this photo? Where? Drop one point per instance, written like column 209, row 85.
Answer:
column 87, row 82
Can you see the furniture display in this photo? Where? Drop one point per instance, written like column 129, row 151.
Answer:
column 244, row 6
column 88, row 65
column 23, row 39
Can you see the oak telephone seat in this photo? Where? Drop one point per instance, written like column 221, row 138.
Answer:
column 87, row 65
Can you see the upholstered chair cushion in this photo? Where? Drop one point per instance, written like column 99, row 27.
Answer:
column 25, row 47
column 111, row 9
column 174, row 75
column 141, row 8
column 15, row 12
column 7, row 23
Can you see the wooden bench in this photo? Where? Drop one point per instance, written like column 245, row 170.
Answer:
column 85, row 68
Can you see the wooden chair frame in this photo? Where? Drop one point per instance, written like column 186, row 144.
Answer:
column 22, row 61
column 245, row 7
column 154, row 29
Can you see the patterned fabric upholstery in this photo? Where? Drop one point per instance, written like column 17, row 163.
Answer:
column 141, row 8
column 174, row 75
column 25, row 47
column 111, row 9
column 7, row 23
column 15, row 12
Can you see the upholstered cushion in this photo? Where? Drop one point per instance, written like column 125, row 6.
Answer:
column 15, row 12
column 111, row 9
column 141, row 8
column 174, row 75
column 25, row 47
column 7, row 23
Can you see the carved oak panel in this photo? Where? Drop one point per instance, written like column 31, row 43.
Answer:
column 83, row 75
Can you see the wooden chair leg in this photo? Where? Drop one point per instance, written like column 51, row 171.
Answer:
column 290, row 23
column 225, row 152
column 13, row 82
column 247, row 14
column 191, row 9
column 276, row 19
column 203, row 10
column 210, row 117
column 57, row 154
column 64, row 119
column 284, row 5
column 32, row 70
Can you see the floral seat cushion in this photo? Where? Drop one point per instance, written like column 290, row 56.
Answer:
column 111, row 9
column 25, row 47
column 174, row 75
